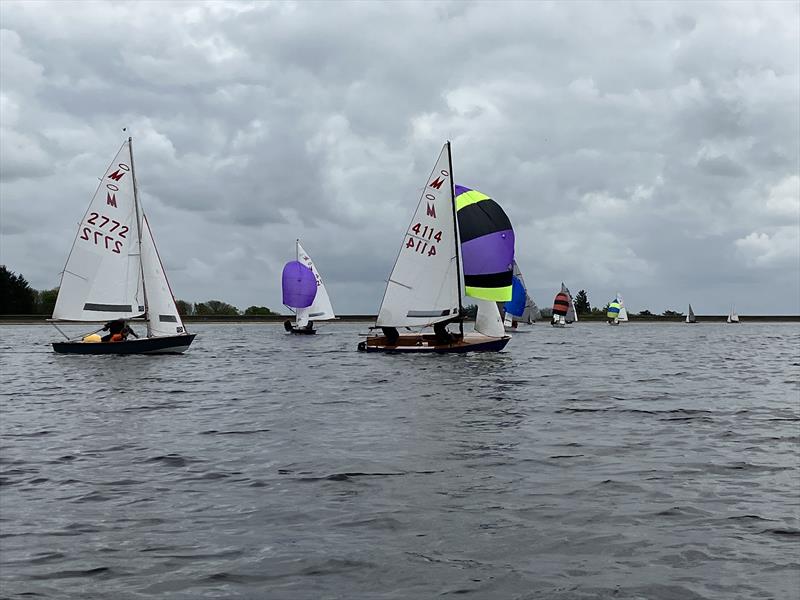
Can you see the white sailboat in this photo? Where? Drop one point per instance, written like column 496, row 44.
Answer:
column 623, row 312
column 732, row 316
column 425, row 286
column 316, row 303
column 691, row 318
column 114, row 272
column 521, row 308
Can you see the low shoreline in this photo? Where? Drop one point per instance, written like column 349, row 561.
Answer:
column 241, row 319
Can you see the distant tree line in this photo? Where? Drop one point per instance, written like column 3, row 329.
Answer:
column 17, row 297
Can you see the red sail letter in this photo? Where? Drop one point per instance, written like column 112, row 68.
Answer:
column 117, row 175
column 431, row 210
column 111, row 199
column 437, row 183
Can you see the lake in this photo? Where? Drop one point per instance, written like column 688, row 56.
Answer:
column 646, row 461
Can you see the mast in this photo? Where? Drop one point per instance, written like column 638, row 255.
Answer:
column 138, row 210
column 456, row 236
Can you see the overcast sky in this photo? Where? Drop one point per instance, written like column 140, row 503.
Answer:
column 651, row 148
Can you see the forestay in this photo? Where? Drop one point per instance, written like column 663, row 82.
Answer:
column 320, row 309
column 423, row 287
column 162, row 314
column 102, row 278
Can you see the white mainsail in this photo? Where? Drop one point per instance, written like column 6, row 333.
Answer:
column 162, row 313
column 690, row 318
column 732, row 316
column 320, row 309
column 102, row 278
column 623, row 313
column 424, row 286
column 572, row 314
column 488, row 321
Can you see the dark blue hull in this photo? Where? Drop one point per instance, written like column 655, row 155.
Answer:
column 173, row 344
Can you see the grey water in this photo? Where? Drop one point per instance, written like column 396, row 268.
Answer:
column 647, row 461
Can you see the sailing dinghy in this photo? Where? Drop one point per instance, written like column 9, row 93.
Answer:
column 521, row 308
column 114, row 272
column 425, row 286
column 563, row 308
column 732, row 316
column 305, row 293
column 616, row 312
column 690, row 318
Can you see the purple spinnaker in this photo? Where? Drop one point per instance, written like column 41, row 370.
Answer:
column 299, row 285
column 492, row 253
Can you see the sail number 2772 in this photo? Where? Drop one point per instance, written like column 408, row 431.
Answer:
column 102, row 238
column 423, row 238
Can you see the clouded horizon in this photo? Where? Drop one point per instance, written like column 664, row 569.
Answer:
column 647, row 148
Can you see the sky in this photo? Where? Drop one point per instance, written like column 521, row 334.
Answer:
column 649, row 148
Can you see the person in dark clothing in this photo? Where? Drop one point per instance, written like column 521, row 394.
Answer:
column 443, row 336
column 118, row 331
column 287, row 325
column 391, row 335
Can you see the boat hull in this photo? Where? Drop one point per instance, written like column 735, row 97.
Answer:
column 426, row 344
column 302, row 331
column 173, row 344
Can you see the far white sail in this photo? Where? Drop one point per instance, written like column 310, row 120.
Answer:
column 572, row 314
column 488, row 321
column 424, row 285
column 162, row 313
column 623, row 313
column 690, row 318
column 732, row 316
column 102, row 277
column 320, row 309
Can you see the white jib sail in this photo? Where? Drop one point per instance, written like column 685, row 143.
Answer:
column 623, row 313
column 320, row 309
column 102, row 277
column 488, row 321
column 162, row 314
column 572, row 314
column 423, row 287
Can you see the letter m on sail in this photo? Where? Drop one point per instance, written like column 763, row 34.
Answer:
column 437, row 183
column 111, row 199
column 431, row 210
column 117, row 175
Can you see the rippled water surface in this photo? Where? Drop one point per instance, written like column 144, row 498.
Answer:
column 644, row 461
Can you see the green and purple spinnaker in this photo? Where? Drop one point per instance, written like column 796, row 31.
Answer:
column 299, row 285
column 487, row 246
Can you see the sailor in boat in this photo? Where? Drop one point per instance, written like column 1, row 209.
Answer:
column 392, row 336
column 443, row 336
column 118, row 331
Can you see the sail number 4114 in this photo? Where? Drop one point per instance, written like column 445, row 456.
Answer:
column 423, row 235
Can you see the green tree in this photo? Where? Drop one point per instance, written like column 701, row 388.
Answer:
column 582, row 306
column 184, row 308
column 252, row 311
column 215, row 308
column 16, row 295
column 46, row 301
column 645, row 313
column 671, row 313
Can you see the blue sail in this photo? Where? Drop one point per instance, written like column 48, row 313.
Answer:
column 516, row 306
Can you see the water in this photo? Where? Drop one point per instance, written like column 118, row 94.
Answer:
column 644, row 461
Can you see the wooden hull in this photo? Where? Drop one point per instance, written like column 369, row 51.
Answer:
column 427, row 344
column 173, row 344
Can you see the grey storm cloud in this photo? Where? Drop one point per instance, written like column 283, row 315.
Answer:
column 650, row 148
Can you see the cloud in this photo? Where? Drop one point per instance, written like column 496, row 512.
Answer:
column 651, row 148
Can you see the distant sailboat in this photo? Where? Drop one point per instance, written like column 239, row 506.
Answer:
column 305, row 293
column 732, row 316
column 563, row 308
column 521, row 308
column 690, row 318
column 425, row 285
column 616, row 312
column 114, row 272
